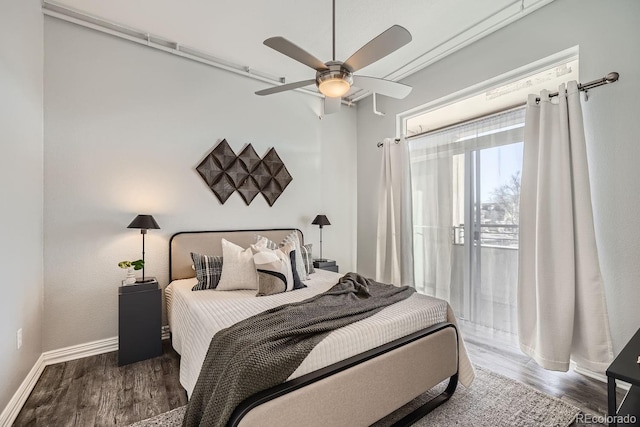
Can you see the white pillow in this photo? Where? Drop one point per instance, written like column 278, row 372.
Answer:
column 238, row 269
column 262, row 241
column 273, row 267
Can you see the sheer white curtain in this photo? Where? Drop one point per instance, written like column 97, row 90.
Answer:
column 561, row 304
column 394, row 256
column 450, row 193
column 432, row 167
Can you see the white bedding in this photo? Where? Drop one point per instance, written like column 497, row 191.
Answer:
column 194, row 317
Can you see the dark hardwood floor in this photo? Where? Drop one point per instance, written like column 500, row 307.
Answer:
column 95, row 391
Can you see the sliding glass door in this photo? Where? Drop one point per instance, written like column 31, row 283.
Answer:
column 466, row 185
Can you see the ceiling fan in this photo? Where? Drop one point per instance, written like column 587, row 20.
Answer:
column 335, row 78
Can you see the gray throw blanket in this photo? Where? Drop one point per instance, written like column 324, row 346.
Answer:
column 264, row 350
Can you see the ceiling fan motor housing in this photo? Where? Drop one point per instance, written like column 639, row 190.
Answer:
column 334, row 81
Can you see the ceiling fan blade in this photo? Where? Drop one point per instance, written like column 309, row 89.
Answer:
column 382, row 86
column 331, row 105
column 389, row 41
column 283, row 88
column 293, row 51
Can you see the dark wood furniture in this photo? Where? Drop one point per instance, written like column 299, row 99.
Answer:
column 625, row 368
column 326, row 264
column 139, row 322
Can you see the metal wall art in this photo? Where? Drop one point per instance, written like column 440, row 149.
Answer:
column 225, row 172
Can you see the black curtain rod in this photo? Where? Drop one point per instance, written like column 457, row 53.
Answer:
column 609, row 78
column 380, row 144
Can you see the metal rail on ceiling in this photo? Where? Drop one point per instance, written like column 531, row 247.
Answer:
column 78, row 17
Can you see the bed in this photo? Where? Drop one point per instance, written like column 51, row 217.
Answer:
column 363, row 371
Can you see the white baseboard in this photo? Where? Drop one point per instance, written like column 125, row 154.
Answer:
column 596, row 376
column 81, row 350
column 14, row 406
column 52, row 357
column 47, row 358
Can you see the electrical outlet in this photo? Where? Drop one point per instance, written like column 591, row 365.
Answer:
column 19, row 338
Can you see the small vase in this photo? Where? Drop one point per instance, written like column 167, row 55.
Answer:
column 131, row 277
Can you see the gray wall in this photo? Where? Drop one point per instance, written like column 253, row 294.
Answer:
column 21, row 57
column 608, row 33
column 125, row 126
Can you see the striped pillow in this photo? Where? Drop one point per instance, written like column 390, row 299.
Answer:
column 307, row 259
column 267, row 243
column 208, row 271
column 293, row 238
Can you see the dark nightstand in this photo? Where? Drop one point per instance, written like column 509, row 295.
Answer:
column 625, row 368
column 326, row 264
column 139, row 322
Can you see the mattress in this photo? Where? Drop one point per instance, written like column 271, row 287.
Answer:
column 194, row 317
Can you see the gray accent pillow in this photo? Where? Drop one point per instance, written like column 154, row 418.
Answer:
column 302, row 272
column 307, row 258
column 208, row 271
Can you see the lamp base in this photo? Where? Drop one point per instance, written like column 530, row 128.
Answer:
column 147, row 279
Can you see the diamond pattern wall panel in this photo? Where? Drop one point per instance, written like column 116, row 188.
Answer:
column 223, row 188
column 262, row 175
column 248, row 190
column 224, row 154
column 272, row 161
column 225, row 172
column 283, row 177
column 210, row 170
column 237, row 173
column 249, row 158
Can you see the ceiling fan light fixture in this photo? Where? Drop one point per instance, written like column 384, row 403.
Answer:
column 334, row 82
column 334, row 87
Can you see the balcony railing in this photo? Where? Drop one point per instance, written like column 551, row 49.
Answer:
column 491, row 235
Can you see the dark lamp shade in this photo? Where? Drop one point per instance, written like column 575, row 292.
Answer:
column 321, row 220
column 144, row 222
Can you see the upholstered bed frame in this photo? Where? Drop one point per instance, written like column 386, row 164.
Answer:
column 356, row 391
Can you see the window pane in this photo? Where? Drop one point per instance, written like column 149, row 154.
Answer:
column 500, row 194
column 466, row 184
column 495, row 279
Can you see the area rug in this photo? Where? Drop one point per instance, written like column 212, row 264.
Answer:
column 492, row 400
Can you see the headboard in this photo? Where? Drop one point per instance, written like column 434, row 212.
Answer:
column 208, row 243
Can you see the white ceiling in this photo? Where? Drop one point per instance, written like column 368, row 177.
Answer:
column 233, row 30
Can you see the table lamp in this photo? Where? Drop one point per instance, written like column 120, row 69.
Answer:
column 321, row 220
column 144, row 223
